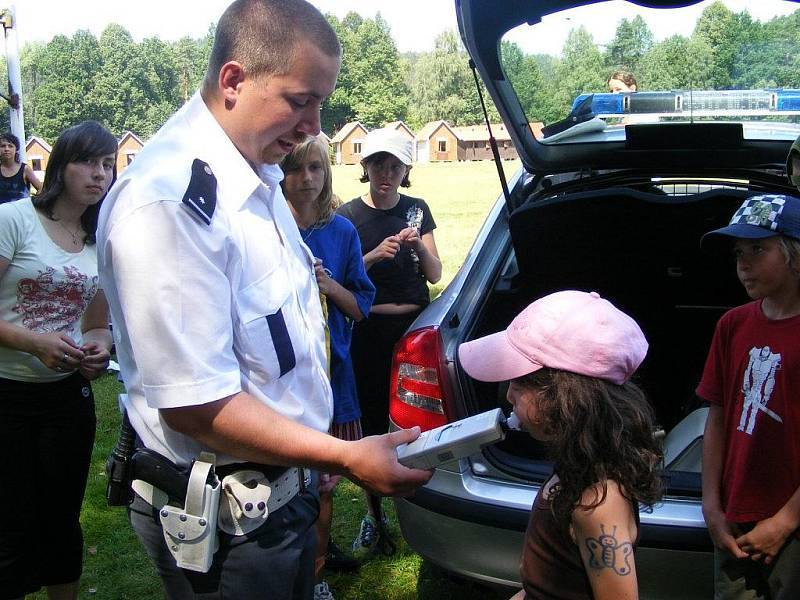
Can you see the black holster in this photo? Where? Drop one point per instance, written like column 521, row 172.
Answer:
column 119, row 466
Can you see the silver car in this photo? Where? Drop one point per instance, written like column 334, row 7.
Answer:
column 613, row 196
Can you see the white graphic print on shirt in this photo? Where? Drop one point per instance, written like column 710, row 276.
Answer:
column 759, row 381
column 414, row 219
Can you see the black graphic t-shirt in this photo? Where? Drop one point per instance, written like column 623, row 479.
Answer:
column 399, row 280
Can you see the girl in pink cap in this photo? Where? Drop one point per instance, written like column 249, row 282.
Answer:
column 569, row 357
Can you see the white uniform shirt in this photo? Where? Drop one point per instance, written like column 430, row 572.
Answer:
column 201, row 312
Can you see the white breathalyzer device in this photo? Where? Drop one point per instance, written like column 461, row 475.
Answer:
column 454, row 440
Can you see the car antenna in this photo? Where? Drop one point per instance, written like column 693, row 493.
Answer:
column 492, row 141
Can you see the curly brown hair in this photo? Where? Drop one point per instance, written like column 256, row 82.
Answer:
column 597, row 431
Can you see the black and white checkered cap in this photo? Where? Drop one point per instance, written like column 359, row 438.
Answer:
column 758, row 217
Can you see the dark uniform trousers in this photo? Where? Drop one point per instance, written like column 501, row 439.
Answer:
column 273, row 562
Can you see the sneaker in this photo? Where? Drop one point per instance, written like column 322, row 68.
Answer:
column 366, row 541
column 322, row 592
column 337, row 560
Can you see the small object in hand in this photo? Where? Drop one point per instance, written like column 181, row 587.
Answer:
column 64, row 358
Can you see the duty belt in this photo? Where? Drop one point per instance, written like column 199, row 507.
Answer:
column 250, row 493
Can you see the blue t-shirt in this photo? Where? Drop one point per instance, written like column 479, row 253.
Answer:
column 339, row 248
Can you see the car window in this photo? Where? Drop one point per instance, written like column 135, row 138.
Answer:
column 724, row 61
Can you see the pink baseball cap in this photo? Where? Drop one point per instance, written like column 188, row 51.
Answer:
column 570, row 330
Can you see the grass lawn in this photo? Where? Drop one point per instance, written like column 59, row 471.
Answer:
column 115, row 568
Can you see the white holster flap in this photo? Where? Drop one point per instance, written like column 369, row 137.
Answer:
column 244, row 505
column 191, row 532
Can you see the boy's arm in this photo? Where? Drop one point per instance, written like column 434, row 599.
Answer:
column 605, row 537
column 767, row 538
column 713, row 450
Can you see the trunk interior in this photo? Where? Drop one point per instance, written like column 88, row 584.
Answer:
column 641, row 251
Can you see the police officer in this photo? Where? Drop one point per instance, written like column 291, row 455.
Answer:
column 217, row 321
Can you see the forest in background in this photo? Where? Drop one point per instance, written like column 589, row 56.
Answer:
column 136, row 86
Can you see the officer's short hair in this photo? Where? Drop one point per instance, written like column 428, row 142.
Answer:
column 263, row 36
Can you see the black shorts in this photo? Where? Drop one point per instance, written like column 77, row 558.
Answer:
column 46, row 437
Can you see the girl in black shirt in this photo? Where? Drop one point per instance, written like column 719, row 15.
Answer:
column 400, row 255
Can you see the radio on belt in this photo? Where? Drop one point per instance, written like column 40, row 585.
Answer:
column 455, row 440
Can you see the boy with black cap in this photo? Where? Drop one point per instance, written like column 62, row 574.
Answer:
column 751, row 449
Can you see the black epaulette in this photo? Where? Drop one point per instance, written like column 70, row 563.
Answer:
column 200, row 198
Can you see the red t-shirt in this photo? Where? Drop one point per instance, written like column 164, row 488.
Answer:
column 753, row 372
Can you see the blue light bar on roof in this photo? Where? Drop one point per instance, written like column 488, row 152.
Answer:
column 788, row 100
column 696, row 103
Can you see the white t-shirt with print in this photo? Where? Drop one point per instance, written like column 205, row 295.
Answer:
column 44, row 289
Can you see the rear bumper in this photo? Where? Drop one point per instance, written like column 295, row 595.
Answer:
column 483, row 541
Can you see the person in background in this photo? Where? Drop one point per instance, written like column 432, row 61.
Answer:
column 569, row 358
column 54, row 338
column 622, row 81
column 218, row 325
column 751, row 445
column 400, row 255
column 15, row 177
column 348, row 294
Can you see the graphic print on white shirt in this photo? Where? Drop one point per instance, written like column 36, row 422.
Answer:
column 759, row 381
column 54, row 300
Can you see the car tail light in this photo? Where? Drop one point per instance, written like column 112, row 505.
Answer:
column 418, row 381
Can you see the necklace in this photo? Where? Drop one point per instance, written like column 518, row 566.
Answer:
column 76, row 241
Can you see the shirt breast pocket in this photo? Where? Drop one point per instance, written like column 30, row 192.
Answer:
column 266, row 343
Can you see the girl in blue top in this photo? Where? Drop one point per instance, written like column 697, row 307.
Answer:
column 346, row 290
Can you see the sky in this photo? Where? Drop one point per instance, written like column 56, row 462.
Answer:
column 414, row 23
column 173, row 19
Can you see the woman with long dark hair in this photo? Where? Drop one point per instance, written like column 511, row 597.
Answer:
column 15, row 177
column 54, row 338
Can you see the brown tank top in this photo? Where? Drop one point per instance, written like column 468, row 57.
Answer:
column 551, row 566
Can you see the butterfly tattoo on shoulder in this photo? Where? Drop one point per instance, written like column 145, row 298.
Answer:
column 606, row 552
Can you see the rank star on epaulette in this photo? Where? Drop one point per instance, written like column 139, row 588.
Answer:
column 200, row 198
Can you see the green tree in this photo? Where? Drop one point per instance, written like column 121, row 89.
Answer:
column 372, row 84
column 768, row 53
column 137, row 87
column 116, row 94
column 379, row 92
column 63, row 97
column 580, row 70
column 631, row 42
column 30, row 59
column 524, row 74
column 443, row 87
column 337, row 110
column 719, row 27
column 678, row 63
column 187, row 59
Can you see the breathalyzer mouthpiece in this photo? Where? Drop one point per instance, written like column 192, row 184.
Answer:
column 513, row 422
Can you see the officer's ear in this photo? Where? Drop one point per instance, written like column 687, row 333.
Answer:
column 231, row 78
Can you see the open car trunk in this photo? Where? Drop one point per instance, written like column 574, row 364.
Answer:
column 641, row 251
